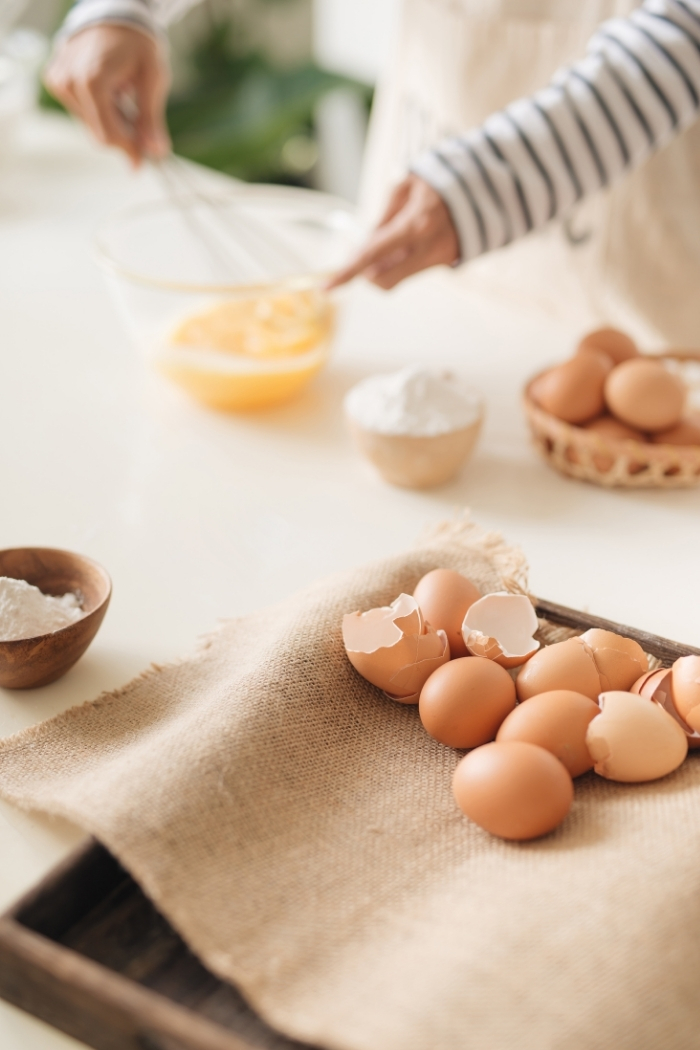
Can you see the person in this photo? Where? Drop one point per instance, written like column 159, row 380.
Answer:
column 107, row 48
column 629, row 87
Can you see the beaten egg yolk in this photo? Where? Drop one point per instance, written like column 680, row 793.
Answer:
column 270, row 347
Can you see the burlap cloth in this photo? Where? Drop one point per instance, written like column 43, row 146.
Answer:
column 298, row 829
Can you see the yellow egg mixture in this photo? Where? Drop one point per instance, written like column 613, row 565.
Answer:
column 271, row 345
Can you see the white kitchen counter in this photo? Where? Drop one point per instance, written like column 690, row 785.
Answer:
column 199, row 516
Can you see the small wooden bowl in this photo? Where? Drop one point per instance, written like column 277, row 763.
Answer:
column 416, row 462
column 30, row 662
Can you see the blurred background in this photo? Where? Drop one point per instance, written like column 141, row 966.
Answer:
column 265, row 90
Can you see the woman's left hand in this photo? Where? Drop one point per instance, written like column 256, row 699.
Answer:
column 415, row 232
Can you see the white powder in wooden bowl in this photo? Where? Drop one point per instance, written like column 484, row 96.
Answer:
column 414, row 401
column 25, row 612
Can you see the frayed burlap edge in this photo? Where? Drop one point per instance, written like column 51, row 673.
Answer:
column 509, row 561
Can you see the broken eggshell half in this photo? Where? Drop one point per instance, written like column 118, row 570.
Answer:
column 658, row 685
column 633, row 739
column 394, row 648
column 500, row 627
column 648, row 684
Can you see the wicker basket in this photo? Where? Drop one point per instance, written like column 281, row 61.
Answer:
column 589, row 456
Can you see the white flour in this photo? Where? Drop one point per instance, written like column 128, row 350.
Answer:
column 25, row 612
column 413, row 401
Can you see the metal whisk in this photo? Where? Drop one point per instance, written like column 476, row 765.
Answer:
column 237, row 242
column 240, row 246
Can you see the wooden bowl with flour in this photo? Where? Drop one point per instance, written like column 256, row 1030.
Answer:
column 29, row 662
column 416, row 426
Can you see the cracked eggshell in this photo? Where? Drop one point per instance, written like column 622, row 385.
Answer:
column 633, row 739
column 393, row 648
column 658, row 686
column 647, row 684
column 558, row 722
column 500, row 627
column 620, row 661
column 444, row 597
column 686, row 689
column 563, row 665
column 513, row 789
column 463, row 703
column 433, row 650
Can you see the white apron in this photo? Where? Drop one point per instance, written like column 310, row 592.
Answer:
column 629, row 255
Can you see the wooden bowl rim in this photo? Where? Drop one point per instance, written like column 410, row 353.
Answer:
column 9, row 644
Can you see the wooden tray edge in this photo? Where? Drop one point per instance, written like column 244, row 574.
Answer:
column 87, row 1000
column 664, row 648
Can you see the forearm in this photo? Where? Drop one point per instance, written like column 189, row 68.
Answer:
column 637, row 88
column 150, row 16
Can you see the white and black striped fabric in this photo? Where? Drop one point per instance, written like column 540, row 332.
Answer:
column 149, row 15
column 637, row 87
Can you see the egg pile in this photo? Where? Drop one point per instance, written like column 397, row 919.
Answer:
column 532, row 718
column 609, row 388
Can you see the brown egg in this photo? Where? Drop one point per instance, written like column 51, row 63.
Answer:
column 464, row 702
column 686, row 689
column 633, row 739
column 444, row 597
column 620, row 661
column 574, row 391
column 556, row 721
column 611, row 429
column 687, row 432
column 644, row 394
column 514, row 789
column 538, row 388
column 565, row 665
column 612, row 342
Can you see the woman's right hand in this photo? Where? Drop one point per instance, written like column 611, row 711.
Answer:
column 415, row 232
column 92, row 73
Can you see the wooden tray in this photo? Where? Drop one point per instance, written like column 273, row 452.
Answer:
column 87, row 952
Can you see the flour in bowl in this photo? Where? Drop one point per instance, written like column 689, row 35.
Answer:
column 414, row 401
column 25, row 612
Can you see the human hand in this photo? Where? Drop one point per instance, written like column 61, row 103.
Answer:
column 93, row 72
column 415, row 232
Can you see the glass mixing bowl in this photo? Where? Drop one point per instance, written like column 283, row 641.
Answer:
column 225, row 294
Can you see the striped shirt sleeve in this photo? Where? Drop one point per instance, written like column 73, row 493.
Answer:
column 637, row 87
column 151, row 16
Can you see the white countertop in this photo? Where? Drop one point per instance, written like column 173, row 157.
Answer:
column 199, row 516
